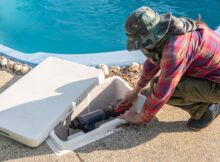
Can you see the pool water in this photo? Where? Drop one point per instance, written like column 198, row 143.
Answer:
column 84, row 26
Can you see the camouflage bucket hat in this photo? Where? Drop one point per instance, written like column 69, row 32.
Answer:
column 144, row 28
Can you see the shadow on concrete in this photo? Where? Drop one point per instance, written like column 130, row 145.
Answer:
column 135, row 135
column 10, row 150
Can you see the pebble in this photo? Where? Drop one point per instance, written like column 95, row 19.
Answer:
column 104, row 68
column 134, row 66
column 1, row 57
column 25, row 69
column 115, row 69
column 4, row 62
column 17, row 67
column 11, row 64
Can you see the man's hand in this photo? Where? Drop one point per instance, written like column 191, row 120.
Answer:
column 135, row 117
column 131, row 116
column 130, row 96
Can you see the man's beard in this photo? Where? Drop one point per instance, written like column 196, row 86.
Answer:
column 153, row 55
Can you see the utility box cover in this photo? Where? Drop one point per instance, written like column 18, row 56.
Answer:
column 35, row 104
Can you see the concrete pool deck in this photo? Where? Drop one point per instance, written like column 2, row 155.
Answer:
column 166, row 138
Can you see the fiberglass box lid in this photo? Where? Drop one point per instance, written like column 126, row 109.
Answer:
column 36, row 103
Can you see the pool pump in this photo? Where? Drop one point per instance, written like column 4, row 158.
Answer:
column 87, row 122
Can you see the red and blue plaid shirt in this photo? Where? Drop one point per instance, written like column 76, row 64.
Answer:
column 196, row 54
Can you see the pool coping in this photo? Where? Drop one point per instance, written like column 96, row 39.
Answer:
column 91, row 59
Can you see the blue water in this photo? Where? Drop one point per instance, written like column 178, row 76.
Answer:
column 84, row 26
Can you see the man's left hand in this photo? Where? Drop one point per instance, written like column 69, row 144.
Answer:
column 132, row 117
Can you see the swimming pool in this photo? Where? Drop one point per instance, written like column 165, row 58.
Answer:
column 83, row 26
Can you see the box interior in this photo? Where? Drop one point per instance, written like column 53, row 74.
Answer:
column 100, row 97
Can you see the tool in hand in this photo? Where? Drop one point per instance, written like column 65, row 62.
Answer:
column 122, row 106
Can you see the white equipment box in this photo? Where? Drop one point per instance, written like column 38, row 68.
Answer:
column 42, row 104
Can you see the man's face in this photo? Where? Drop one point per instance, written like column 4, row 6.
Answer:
column 145, row 51
column 151, row 54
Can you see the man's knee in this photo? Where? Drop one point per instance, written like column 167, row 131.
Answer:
column 186, row 92
column 200, row 90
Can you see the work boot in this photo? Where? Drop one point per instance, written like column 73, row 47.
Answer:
column 211, row 113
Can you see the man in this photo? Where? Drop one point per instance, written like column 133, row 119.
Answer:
column 187, row 54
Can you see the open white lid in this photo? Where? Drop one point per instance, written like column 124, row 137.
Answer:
column 36, row 103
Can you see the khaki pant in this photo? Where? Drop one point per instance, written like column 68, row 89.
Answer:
column 194, row 95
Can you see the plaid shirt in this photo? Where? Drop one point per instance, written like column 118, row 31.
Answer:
column 196, row 54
